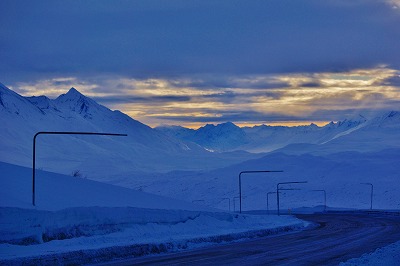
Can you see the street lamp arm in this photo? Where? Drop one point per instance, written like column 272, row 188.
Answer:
column 251, row 172
column 58, row 133
column 285, row 183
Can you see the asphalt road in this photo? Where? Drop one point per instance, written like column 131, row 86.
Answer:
column 338, row 238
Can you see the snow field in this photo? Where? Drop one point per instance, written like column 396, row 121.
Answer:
column 31, row 233
column 388, row 256
column 81, row 218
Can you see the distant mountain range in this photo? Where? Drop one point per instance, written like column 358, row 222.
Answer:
column 203, row 164
column 358, row 134
column 144, row 149
column 164, row 148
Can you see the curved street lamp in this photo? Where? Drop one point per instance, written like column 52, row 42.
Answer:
column 58, row 133
column 285, row 183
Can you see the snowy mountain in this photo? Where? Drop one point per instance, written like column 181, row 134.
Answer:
column 357, row 134
column 362, row 149
column 143, row 150
column 365, row 135
column 222, row 137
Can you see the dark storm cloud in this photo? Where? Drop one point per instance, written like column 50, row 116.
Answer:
column 224, row 97
column 392, row 81
column 310, row 85
column 166, row 39
column 233, row 116
column 245, row 82
column 232, row 96
column 147, row 99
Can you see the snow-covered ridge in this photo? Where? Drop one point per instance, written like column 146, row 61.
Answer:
column 22, row 117
column 264, row 138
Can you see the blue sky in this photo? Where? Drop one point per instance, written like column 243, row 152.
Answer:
column 196, row 62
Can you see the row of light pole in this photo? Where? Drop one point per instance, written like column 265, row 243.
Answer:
column 279, row 189
column 270, row 193
column 285, row 183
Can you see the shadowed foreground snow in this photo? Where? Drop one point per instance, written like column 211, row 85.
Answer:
column 30, row 233
column 389, row 255
column 81, row 221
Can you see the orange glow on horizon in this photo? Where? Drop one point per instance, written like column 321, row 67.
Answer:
column 197, row 125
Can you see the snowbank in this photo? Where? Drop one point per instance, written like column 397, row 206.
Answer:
column 389, row 255
column 81, row 234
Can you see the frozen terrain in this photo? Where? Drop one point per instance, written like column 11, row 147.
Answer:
column 336, row 157
column 361, row 133
column 388, row 256
column 81, row 220
column 171, row 188
column 339, row 174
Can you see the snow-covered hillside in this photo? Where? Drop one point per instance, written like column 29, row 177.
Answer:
column 143, row 150
column 339, row 174
column 78, row 221
column 358, row 134
column 221, row 137
column 336, row 157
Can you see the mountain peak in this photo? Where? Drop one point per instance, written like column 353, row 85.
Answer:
column 74, row 92
column 72, row 95
column 77, row 102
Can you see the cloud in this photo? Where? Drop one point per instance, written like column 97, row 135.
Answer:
column 132, row 99
column 239, row 116
column 285, row 97
column 395, row 4
column 53, row 87
column 163, row 40
column 391, row 81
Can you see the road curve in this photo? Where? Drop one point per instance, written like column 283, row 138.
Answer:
column 338, row 238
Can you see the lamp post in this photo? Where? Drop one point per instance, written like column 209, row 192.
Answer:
column 285, row 183
column 58, row 133
column 372, row 192
column 323, row 190
column 240, row 182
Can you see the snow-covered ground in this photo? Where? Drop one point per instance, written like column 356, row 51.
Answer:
column 112, row 203
column 388, row 256
column 339, row 174
column 78, row 216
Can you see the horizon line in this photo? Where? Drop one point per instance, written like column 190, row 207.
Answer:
column 197, row 125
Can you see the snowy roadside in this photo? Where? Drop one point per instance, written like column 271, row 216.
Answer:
column 388, row 256
column 95, row 234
